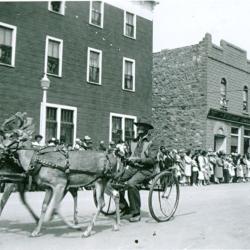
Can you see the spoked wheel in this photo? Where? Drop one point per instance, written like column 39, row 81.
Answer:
column 109, row 208
column 163, row 196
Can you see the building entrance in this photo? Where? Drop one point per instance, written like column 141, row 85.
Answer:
column 219, row 143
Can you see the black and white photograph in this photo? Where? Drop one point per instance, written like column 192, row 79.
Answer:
column 124, row 125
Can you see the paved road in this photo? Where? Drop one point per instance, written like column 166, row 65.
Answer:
column 211, row 217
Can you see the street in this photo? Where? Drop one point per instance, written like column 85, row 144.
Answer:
column 208, row 217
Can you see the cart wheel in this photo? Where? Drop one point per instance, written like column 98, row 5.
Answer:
column 163, row 196
column 109, row 208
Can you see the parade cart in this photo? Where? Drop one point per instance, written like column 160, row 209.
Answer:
column 163, row 197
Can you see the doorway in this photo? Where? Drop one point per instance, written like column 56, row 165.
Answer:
column 220, row 143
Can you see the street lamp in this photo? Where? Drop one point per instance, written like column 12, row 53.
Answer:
column 45, row 84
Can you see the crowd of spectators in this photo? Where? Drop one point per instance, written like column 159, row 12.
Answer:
column 202, row 167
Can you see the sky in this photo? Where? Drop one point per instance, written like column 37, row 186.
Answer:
column 179, row 23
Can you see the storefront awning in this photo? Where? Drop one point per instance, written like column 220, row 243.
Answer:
column 228, row 117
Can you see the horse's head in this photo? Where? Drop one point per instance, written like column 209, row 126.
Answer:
column 112, row 163
column 15, row 132
column 15, row 135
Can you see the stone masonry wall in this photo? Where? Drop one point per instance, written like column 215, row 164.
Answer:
column 179, row 96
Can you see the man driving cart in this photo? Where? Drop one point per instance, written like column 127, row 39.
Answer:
column 139, row 168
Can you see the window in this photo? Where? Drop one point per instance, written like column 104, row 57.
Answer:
column 51, row 122
column 129, row 25
column 234, row 140
column 122, row 127
column 61, row 123
column 246, row 141
column 96, row 13
column 94, row 71
column 223, row 96
column 53, row 56
column 7, row 44
column 128, row 74
column 57, row 7
column 245, row 99
column 234, row 130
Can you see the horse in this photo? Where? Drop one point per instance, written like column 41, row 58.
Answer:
column 10, row 130
column 15, row 178
column 57, row 171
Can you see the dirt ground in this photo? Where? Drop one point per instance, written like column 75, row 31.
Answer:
column 209, row 217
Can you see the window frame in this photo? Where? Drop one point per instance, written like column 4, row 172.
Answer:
column 60, row 55
column 102, row 14
column 13, row 43
column 245, row 137
column 62, row 12
column 100, row 65
column 245, row 96
column 123, row 73
column 238, row 138
column 59, row 108
column 223, row 94
column 134, row 24
column 123, row 117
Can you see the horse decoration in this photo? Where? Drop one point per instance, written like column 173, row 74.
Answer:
column 11, row 175
column 57, row 170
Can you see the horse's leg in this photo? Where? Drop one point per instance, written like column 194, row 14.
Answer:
column 46, row 201
column 73, row 192
column 116, row 197
column 58, row 194
column 21, row 188
column 9, row 188
column 99, row 185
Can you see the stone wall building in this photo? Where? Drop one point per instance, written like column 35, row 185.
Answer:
column 200, row 96
column 92, row 53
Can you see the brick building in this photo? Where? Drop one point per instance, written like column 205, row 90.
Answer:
column 92, row 53
column 200, row 96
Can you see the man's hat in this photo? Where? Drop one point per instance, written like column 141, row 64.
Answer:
column 87, row 138
column 221, row 152
column 38, row 136
column 144, row 123
column 182, row 150
column 53, row 139
column 111, row 143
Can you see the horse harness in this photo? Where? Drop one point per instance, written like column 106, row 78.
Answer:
column 37, row 163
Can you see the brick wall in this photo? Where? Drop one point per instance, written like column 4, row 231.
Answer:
column 229, row 62
column 20, row 86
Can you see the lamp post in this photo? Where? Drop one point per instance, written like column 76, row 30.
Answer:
column 45, row 84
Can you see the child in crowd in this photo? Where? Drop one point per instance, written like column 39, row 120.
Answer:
column 188, row 167
column 195, row 170
column 202, row 168
column 231, row 169
column 240, row 171
column 247, row 163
